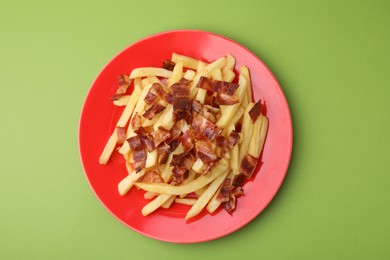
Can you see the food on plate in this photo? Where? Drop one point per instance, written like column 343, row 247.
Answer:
column 189, row 133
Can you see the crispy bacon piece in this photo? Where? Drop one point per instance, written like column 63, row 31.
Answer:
column 121, row 133
column 150, row 98
column 148, row 141
column 181, row 88
column 135, row 143
column 185, row 160
column 204, row 151
column 224, row 192
column 153, row 110
column 151, row 176
column 139, row 157
column 256, row 110
column 225, row 87
column 174, row 145
column 163, row 148
column 248, row 165
column 136, row 122
column 187, row 140
column 179, row 174
column 232, row 140
column 224, row 99
column 158, row 90
column 124, row 83
column 168, row 64
column 220, row 141
column 160, row 135
column 175, row 131
column 204, row 126
column 239, row 179
column 230, row 205
column 205, row 83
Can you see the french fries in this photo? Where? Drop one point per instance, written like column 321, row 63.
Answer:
column 193, row 171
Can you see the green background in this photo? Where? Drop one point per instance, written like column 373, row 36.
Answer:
column 331, row 59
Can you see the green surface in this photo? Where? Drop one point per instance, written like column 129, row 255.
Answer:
column 331, row 59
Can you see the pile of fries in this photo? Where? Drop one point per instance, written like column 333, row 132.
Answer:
column 189, row 133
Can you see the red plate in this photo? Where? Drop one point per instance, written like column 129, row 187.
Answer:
column 99, row 116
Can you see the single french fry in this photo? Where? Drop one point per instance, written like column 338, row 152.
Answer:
column 150, row 71
column 185, row 201
column 151, row 159
column 206, row 196
column 220, row 168
column 122, row 101
column 167, row 204
column 234, row 159
column 217, row 64
column 217, row 74
column 128, row 182
column 189, row 75
column 201, row 95
column 155, row 204
column 258, row 136
column 228, row 75
column 246, row 132
column 245, row 72
column 188, row 62
column 198, row 166
column 230, row 62
column 167, row 121
column 109, row 148
column 201, row 67
column 177, row 74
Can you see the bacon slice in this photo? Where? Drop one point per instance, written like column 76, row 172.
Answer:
column 136, row 122
column 248, row 165
column 181, row 88
column 185, row 160
column 224, row 99
column 220, row 141
column 150, row 98
column 204, row 126
column 179, row 174
column 139, row 158
column 135, row 143
column 168, row 65
column 151, row 176
column 205, row 83
column 121, row 133
column 187, row 140
column 160, row 135
column 239, row 179
column 204, row 151
column 175, row 131
column 233, row 139
column 225, row 87
column 124, row 83
column 231, row 204
column 256, row 110
column 147, row 141
column 153, row 110
column 224, row 192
